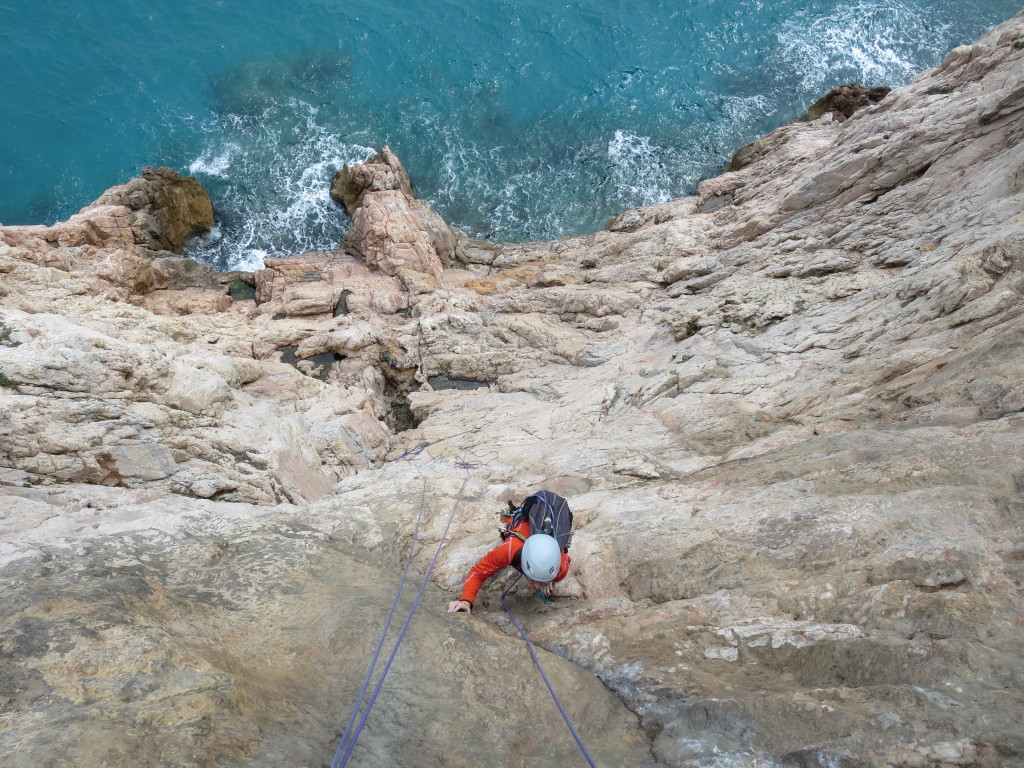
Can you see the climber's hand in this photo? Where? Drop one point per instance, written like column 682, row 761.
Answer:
column 544, row 587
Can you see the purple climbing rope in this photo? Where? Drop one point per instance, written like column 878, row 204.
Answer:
column 536, row 661
column 401, row 634
column 384, row 632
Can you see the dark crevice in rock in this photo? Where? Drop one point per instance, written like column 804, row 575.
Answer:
column 241, row 289
column 918, row 173
column 940, row 587
column 288, row 354
column 912, row 177
column 444, row 382
column 341, row 308
column 819, row 272
column 317, row 366
column 401, row 417
column 400, row 381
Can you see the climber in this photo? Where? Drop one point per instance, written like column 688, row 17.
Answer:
column 539, row 557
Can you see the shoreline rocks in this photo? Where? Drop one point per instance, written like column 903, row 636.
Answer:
column 391, row 231
column 159, row 211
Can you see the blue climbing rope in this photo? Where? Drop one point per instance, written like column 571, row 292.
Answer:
column 536, row 661
column 384, row 632
column 401, row 635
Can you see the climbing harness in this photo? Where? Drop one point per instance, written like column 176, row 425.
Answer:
column 536, row 661
column 344, row 751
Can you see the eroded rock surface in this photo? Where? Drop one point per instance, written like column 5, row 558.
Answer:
column 216, row 634
column 787, row 412
column 159, row 211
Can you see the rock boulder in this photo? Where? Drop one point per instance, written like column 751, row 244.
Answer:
column 391, row 230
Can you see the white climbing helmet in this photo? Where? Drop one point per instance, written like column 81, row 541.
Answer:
column 541, row 557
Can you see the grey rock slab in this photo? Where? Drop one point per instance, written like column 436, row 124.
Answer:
column 246, row 645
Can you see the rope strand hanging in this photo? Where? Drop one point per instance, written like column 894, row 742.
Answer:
column 384, row 632
column 351, row 735
column 350, row 746
column 536, row 661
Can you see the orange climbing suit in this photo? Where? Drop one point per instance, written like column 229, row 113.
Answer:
column 501, row 557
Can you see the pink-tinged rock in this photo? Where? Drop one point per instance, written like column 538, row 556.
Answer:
column 159, row 211
column 391, row 230
column 185, row 302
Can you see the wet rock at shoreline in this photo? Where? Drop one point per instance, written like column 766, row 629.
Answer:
column 843, row 100
column 168, row 209
column 159, row 211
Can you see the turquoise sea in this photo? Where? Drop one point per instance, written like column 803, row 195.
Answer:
column 522, row 119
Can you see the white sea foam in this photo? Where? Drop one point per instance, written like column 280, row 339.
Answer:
column 531, row 172
column 270, row 182
column 637, row 171
column 213, row 164
column 466, row 173
column 509, row 192
column 741, row 110
column 251, row 260
column 877, row 42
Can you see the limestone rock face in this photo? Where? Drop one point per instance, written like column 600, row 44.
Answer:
column 249, row 646
column 786, row 412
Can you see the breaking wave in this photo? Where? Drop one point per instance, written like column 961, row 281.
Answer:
column 270, row 187
column 637, row 171
column 873, row 42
